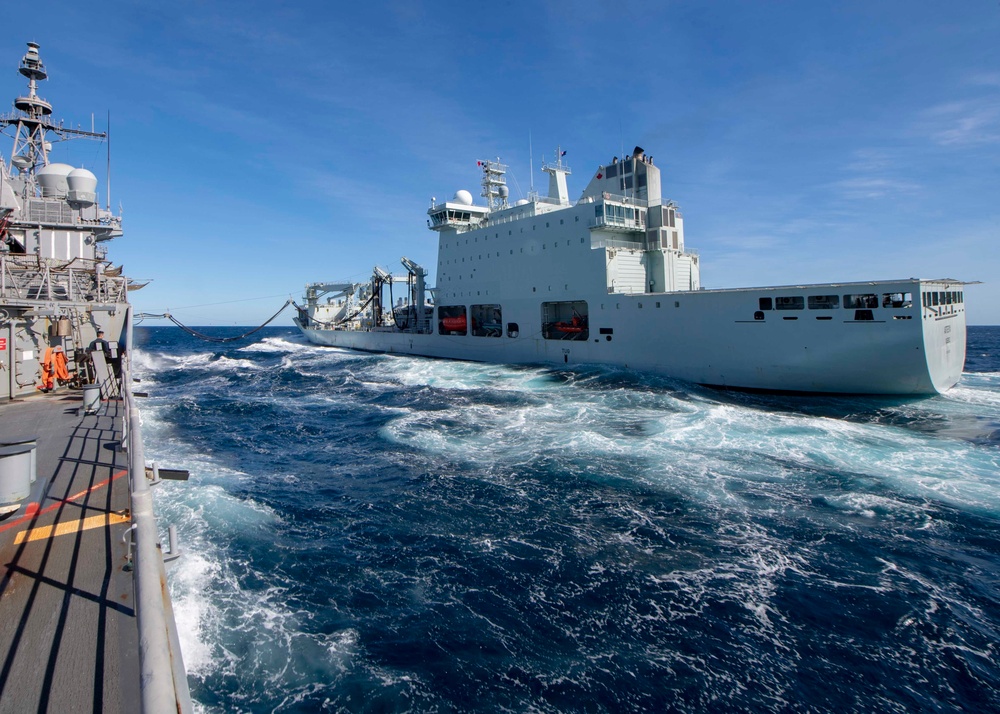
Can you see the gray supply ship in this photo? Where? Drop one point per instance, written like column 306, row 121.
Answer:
column 86, row 619
column 608, row 279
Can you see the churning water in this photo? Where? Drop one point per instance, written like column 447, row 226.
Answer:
column 384, row 533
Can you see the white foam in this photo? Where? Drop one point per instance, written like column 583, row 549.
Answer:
column 740, row 463
column 684, row 441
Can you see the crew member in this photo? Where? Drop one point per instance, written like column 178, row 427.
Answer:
column 99, row 344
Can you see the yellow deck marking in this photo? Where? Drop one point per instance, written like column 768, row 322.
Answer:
column 106, row 519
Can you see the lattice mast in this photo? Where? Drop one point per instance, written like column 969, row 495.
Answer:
column 495, row 189
column 31, row 120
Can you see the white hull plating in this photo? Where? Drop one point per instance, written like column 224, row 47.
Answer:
column 711, row 337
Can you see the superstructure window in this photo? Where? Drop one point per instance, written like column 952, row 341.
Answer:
column 823, row 302
column 487, row 320
column 452, row 320
column 789, row 302
column 765, row 303
column 897, row 300
column 856, row 302
column 565, row 320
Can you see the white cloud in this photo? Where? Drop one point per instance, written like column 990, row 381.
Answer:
column 863, row 187
column 970, row 122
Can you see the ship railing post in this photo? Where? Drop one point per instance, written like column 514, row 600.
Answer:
column 163, row 680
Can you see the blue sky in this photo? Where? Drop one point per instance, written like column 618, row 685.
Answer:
column 256, row 148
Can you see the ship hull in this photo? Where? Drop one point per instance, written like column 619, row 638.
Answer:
column 721, row 338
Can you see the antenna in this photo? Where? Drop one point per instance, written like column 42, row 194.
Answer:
column 108, row 178
column 621, row 179
column 531, row 170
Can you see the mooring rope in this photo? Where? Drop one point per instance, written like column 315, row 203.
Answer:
column 210, row 338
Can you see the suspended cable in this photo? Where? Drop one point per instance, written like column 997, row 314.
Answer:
column 210, row 338
column 229, row 302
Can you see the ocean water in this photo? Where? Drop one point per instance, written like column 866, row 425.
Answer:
column 379, row 534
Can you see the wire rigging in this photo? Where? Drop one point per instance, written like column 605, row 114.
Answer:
column 210, row 338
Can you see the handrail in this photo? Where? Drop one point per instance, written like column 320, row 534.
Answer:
column 163, row 680
column 28, row 277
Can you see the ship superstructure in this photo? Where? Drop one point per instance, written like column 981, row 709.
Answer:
column 83, row 598
column 54, row 273
column 607, row 279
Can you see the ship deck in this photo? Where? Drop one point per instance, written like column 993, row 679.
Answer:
column 68, row 636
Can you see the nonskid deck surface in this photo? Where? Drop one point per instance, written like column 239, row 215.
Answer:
column 68, row 633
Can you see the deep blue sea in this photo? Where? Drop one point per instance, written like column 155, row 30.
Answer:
column 380, row 533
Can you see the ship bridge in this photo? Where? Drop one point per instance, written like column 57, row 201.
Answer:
column 458, row 214
column 620, row 212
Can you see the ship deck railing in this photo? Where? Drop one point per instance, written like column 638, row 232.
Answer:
column 628, row 224
column 618, row 198
column 164, row 687
column 33, row 279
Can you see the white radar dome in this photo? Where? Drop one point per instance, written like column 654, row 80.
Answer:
column 504, row 192
column 463, row 197
column 81, row 180
column 82, row 188
column 52, row 179
column 521, row 202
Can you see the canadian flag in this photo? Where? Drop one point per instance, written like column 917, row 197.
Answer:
column 600, row 175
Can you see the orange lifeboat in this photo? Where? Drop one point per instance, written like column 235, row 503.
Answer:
column 575, row 325
column 454, row 324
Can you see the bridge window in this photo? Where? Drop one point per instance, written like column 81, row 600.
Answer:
column 765, row 303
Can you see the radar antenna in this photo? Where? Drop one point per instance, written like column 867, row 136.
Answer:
column 495, row 189
column 31, row 120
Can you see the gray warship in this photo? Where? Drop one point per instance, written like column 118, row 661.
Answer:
column 87, row 621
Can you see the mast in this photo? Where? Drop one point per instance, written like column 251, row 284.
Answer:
column 31, row 121
column 495, row 189
column 557, row 172
column 532, row 196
